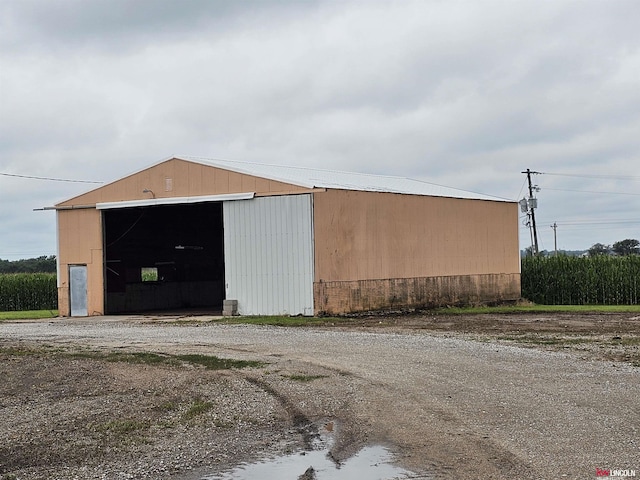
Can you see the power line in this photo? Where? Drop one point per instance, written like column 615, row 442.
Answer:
column 599, row 222
column 590, row 191
column 590, row 228
column 612, row 177
column 47, row 178
column 521, row 188
column 593, row 221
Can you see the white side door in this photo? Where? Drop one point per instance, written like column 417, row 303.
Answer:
column 78, row 290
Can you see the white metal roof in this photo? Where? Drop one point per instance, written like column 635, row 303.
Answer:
column 318, row 178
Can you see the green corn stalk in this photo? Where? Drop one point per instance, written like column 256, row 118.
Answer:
column 28, row 291
column 563, row 280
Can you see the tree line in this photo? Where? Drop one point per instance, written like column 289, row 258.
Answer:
column 630, row 246
column 42, row 264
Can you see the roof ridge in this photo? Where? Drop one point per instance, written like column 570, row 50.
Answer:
column 297, row 167
column 313, row 177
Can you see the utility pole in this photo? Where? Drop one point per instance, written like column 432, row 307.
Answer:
column 555, row 238
column 532, row 204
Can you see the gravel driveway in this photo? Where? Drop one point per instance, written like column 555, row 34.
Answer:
column 447, row 406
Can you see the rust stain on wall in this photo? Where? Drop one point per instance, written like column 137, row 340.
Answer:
column 336, row 298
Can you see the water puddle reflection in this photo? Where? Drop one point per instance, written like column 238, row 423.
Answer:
column 372, row 463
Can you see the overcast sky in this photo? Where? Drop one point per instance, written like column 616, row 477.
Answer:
column 461, row 93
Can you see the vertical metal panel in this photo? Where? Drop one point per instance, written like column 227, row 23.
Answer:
column 78, row 290
column 268, row 249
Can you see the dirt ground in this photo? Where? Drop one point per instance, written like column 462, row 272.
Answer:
column 606, row 336
column 77, row 402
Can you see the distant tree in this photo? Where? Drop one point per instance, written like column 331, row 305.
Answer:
column 29, row 265
column 599, row 249
column 629, row 246
column 572, row 253
column 5, row 266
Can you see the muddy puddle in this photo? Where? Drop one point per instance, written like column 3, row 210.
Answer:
column 316, row 463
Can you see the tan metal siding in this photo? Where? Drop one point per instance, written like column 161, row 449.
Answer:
column 365, row 235
column 187, row 179
column 269, row 255
column 80, row 243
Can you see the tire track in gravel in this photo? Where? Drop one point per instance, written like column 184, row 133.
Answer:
column 456, row 407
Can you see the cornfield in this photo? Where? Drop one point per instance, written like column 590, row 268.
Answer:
column 599, row 280
column 28, row 291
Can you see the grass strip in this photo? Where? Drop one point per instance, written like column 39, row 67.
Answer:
column 121, row 427
column 210, row 362
column 304, row 378
column 280, row 321
column 539, row 309
column 197, row 407
column 28, row 315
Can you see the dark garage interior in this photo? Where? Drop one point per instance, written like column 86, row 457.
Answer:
column 164, row 257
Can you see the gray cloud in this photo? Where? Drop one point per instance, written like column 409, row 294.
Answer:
column 121, row 25
column 465, row 94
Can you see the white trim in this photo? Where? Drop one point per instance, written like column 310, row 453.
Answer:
column 58, row 276
column 175, row 200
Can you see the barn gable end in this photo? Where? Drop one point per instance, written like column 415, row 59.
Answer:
column 181, row 178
